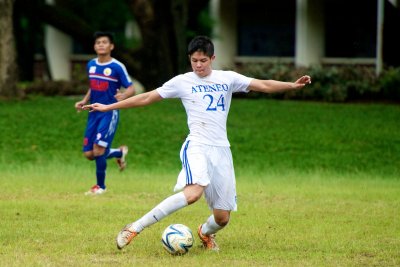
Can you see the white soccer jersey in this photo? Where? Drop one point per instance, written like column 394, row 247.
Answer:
column 207, row 101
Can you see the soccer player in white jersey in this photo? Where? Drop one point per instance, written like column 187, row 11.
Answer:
column 207, row 165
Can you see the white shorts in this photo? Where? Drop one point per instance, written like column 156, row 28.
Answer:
column 212, row 167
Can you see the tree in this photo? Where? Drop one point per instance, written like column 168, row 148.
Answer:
column 8, row 67
column 162, row 52
column 163, row 27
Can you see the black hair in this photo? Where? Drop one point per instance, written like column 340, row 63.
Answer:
column 201, row 44
column 99, row 34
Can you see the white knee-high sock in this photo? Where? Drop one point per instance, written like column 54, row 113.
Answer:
column 165, row 208
column 210, row 227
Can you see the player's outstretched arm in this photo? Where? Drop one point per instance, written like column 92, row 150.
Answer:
column 273, row 86
column 132, row 102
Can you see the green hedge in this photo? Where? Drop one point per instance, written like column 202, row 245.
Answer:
column 332, row 84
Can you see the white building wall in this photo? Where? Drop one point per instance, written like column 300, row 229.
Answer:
column 58, row 47
column 310, row 41
column 224, row 33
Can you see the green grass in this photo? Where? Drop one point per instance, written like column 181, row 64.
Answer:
column 265, row 135
column 318, row 185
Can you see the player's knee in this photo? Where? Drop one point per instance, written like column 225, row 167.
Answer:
column 193, row 193
column 98, row 151
column 98, row 154
column 88, row 155
column 222, row 219
column 191, row 198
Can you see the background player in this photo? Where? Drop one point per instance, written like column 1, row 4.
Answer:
column 106, row 76
column 207, row 165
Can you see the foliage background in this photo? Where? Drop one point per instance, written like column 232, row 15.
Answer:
column 336, row 84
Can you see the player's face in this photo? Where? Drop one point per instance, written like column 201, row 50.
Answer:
column 201, row 63
column 103, row 46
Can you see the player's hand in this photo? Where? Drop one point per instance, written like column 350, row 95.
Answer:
column 79, row 106
column 304, row 80
column 119, row 96
column 95, row 107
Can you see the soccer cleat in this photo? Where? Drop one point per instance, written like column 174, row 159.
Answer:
column 96, row 190
column 121, row 161
column 208, row 240
column 125, row 236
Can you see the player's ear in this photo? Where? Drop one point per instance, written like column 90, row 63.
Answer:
column 112, row 46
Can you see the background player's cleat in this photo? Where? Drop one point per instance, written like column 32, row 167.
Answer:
column 208, row 240
column 125, row 236
column 95, row 190
column 121, row 161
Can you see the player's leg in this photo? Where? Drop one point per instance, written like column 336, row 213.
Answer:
column 207, row 231
column 89, row 136
column 114, row 153
column 104, row 134
column 108, row 128
column 120, row 155
column 168, row 206
column 88, row 147
column 218, row 220
column 193, row 169
column 89, row 155
column 220, row 195
column 101, row 165
column 190, row 194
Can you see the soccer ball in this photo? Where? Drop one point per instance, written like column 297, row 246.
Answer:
column 177, row 239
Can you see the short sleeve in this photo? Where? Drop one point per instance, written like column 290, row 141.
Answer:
column 124, row 76
column 170, row 89
column 240, row 82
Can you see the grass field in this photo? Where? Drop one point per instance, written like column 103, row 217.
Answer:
column 318, row 185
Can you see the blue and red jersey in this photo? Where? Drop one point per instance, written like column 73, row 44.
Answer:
column 105, row 79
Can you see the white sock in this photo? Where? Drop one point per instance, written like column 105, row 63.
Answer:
column 165, row 208
column 210, row 227
column 112, row 150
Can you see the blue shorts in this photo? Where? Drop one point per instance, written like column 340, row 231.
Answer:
column 100, row 129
